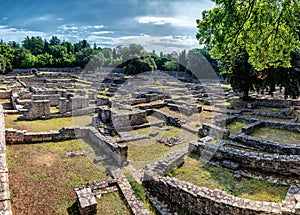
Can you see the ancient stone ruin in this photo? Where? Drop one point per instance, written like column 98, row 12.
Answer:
column 143, row 129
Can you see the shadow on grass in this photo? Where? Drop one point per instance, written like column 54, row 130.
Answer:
column 73, row 210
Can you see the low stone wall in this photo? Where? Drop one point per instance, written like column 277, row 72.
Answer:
column 278, row 164
column 5, row 94
column 283, row 125
column 168, row 163
column 285, row 114
column 170, row 120
column 119, row 153
column 267, row 145
column 53, row 99
column 5, row 206
column 14, row 136
column 130, row 118
column 213, row 130
column 274, row 103
column 201, row 200
column 248, row 129
column 185, row 109
column 39, row 110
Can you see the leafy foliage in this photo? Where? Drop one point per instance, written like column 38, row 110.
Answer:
column 254, row 42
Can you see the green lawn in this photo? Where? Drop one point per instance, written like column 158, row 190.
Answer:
column 282, row 136
column 42, row 179
column 146, row 151
column 45, row 125
column 220, row 178
column 236, row 127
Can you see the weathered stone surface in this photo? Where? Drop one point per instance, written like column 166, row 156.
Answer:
column 283, row 164
column 40, row 109
column 5, row 206
column 87, row 203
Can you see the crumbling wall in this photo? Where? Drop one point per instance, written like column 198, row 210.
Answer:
column 284, row 164
column 5, row 206
column 39, row 110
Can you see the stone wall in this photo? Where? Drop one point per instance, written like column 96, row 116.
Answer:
column 170, row 120
column 201, row 200
column 268, row 145
column 124, row 119
column 39, row 110
column 5, row 94
column 14, row 136
column 277, row 103
column 273, row 163
column 72, row 104
column 117, row 152
column 5, row 206
column 213, row 131
column 53, row 99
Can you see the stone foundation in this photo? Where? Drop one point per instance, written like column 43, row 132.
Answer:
column 5, row 206
column 272, row 163
column 117, row 152
column 39, row 110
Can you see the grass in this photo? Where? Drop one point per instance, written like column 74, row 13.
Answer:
column 142, row 152
column 236, row 127
column 270, row 109
column 278, row 135
column 42, row 178
column 112, row 204
column 45, row 125
column 195, row 120
column 222, row 179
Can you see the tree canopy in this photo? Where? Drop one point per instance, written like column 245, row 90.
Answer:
column 267, row 30
column 251, row 39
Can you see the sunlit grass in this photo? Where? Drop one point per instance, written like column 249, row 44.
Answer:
column 45, row 125
column 222, row 179
column 42, row 178
column 278, row 135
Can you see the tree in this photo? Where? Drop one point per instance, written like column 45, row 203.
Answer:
column 8, row 55
column 2, row 64
column 29, row 61
column 54, row 41
column 20, row 54
column 264, row 33
column 44, row 60
column 34, row 44
column 171, row 66
column 84, row 56
column 139, row 65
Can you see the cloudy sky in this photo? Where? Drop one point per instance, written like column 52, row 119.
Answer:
column 162, row 25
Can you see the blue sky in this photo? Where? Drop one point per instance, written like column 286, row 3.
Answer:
column 162, row 25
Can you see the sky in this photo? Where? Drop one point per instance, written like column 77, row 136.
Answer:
column 160, row 25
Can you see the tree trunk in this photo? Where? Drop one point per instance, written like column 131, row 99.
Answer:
column 246, row 95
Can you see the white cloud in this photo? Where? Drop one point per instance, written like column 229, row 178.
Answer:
column 68, row 27
column 167, row 44
column 92, row 27
column 18, row 35
column 183, row 21
column 102, row 32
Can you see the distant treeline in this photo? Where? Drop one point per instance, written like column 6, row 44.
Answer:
column 39, row 52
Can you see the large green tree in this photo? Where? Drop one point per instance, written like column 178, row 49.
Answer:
column 8, row 55
column 261, row 33
column 34, row 44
